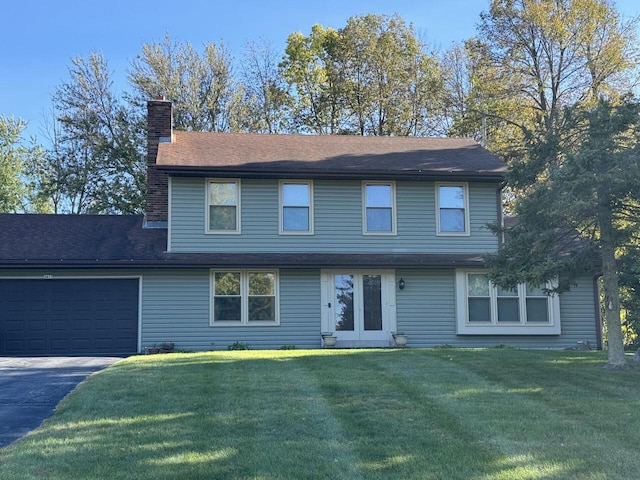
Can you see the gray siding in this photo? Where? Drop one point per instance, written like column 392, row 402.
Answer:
column 426, row 312
column 176, row 309
column 338, row 220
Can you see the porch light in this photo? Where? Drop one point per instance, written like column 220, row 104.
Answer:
column 401, row 284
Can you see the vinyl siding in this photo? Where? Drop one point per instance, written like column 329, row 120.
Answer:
column 426, row 312
column 176, row 309
column 338, row 225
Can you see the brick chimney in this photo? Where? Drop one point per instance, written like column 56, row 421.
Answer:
column 159, row 130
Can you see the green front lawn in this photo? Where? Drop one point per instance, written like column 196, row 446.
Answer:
column 344, row 414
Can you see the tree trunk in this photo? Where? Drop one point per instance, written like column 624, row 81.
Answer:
column 615, row 343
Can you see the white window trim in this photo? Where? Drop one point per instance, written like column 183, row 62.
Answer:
column 244, row 295
column 207, row 197
column 282, row 206
column 393, row 231
column 467, row 228
column 494, row 328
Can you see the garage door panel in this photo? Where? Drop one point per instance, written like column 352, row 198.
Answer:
column 68, row 316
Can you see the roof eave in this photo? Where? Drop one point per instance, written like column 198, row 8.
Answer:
column 228, row 172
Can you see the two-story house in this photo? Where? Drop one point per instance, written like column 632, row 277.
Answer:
column 271, row 240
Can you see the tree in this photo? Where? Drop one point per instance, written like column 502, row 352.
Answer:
column 583, row 213
column 266, row 97
column 308, row 67
column 19, row 188
column 200, row 85
column 538, row 67
column 371, row 77
column 12, row 164
column 96, row 160
column 533, row 58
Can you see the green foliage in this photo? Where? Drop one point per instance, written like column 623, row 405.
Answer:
column 288, row 347
column 582, row 213
column 12, row 164
column 96, row 163
column 371, row 77
column 200, row 85
column 532, row 59
column 238, row 346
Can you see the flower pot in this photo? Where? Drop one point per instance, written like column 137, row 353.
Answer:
column 400, row 339
column 329, row 340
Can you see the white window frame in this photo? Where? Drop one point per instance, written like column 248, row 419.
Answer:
column 365, row 230
column 467, row 228
column 464, row 327
column 244, row 295
column 210, row 231
column 282, row 206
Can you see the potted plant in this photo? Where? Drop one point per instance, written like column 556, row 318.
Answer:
column 401, row 339
column 167, row 347
column 329, row 339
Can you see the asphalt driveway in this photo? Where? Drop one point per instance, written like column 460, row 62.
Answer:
column 30, row 389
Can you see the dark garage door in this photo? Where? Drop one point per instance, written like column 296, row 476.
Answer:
column 68, row 317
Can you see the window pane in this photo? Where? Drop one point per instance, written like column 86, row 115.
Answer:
column 227, row 309
column 478, row 284
column 295, row 218
column 372, row 299
column 262, row 283
column 344, row 313
column 295, row 195
column 227, row 283
column 451, row 220
column 222, row 218
column 535, row 291
column 451, row 197
column 506, row 293
column 379, row 220
column 537, row 311
column 479, row 310
column 508, row 310
column 222, row 193
column 378, row 195
column 262, row 309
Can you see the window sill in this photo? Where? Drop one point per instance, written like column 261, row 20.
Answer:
column 508, row 330
column 244, row 325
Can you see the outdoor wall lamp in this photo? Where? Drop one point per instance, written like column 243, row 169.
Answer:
column 401, row 284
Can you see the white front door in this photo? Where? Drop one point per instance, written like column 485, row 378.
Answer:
column 360, row 306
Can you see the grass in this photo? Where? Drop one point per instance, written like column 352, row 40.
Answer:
column 344, row 414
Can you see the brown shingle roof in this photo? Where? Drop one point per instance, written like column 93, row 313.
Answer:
column 322, row 154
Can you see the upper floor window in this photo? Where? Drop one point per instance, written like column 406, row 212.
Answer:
column 223, row 206
column 296, row 207
column 379, row 208
column 452, row 206
column 485, row 308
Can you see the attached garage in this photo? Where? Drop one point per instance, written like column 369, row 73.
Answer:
column 88, row 316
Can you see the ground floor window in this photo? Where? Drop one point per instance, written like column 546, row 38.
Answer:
column 485, row 308
column 244, row 297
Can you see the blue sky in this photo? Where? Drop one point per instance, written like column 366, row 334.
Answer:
column 39, row 37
